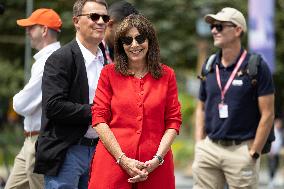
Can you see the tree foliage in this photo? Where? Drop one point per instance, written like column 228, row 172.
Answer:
column 174, row 20
column 11, row 77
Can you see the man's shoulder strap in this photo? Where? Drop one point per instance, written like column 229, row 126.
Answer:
column 208, row 65
column 254, row 61
column 252, row 67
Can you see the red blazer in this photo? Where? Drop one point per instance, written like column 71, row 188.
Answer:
column 138, row 111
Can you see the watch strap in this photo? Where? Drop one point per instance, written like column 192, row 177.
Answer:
column 161, row 160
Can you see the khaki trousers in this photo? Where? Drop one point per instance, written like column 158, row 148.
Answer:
column 215, row 164
column 22, row 176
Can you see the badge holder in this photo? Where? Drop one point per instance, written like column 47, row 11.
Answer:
column 223, row 110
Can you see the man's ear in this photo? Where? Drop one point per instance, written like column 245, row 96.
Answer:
column 45, row 30
column 239, row 30
column 75, row 22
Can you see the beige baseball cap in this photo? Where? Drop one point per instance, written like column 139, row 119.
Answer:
column 228, row 14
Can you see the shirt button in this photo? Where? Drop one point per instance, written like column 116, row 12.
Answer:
column 138, row 132
column 139, row 118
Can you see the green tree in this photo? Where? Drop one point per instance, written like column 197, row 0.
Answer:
column 11, row 77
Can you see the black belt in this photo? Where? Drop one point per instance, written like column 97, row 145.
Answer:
column 227, row 142
column 88, row 141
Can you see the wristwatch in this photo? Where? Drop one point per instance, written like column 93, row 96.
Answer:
column 255, row 155
column 161, row 160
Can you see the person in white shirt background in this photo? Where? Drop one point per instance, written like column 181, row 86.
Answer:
column 42, row 27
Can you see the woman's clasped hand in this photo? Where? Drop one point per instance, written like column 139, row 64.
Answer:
column 138, row 171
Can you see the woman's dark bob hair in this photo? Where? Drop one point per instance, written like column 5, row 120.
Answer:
column 146, row 29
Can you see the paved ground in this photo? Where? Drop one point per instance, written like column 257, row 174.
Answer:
column 183, row 182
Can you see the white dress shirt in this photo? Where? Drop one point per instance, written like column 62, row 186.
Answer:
column 94, row 65
column 27, row 102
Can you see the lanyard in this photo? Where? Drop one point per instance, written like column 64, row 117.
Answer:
column 232, row 76
column 109, row 60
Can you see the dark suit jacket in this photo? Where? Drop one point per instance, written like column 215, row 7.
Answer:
column 65, row 104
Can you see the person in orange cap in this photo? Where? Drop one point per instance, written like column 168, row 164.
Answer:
column 42, row 28
column 42, row 20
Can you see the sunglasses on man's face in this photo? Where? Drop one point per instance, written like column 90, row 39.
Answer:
column 128, row 40
column 220, row 27
column 95, row 17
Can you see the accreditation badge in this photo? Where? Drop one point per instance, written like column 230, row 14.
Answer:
column 223, row 110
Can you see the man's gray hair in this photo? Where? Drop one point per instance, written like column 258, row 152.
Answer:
column 79, row 4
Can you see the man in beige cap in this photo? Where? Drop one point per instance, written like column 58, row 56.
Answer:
column 42, row 28
column 234, row 117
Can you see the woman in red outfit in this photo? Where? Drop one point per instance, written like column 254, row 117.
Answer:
column 136, row 114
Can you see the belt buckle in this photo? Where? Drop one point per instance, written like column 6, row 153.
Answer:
column 237, row 142
column 226, row 142
column 28, row 134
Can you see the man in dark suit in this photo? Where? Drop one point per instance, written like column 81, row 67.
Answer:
column 67, row 142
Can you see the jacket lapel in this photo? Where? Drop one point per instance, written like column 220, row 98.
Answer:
column 81, row 70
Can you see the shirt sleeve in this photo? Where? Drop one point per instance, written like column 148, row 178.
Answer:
column 265, row 84
column 29, row 98
column 172, row 113
column 101, row 112
column 202, row 92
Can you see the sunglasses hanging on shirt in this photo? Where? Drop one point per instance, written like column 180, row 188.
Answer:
column 95, row 17
column 128, row 40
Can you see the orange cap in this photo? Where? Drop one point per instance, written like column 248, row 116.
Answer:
column 45, row 17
